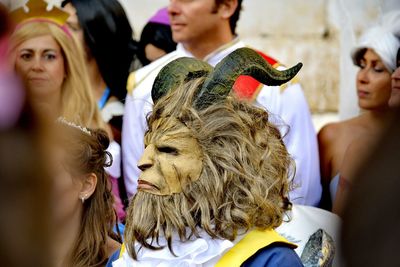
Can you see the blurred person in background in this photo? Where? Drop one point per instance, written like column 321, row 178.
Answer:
column 51, row 65
column 371, row 217
column 362, row 150
column 206, row 30
column 375, row 55
column 25, row 186
column 103, row 29
column 394, row 101
column 156, row 38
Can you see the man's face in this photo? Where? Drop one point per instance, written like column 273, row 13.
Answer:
column 193, row 20
column 171, row 160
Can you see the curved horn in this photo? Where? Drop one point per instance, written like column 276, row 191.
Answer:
column 175, row 73
column 243, row 61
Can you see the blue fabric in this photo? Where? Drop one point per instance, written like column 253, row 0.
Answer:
column 121, row 228
column 273, row 255
column 103, row 100
column 113, row 258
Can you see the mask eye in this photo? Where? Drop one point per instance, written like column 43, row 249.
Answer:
column 168, row 150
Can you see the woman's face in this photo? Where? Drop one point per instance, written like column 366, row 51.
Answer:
column 373, row 82
column 40, row 63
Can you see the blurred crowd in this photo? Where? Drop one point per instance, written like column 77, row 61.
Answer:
column 93, row 121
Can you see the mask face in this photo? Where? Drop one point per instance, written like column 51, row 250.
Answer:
column 171, row 160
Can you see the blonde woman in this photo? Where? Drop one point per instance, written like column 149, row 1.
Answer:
column 51, row 65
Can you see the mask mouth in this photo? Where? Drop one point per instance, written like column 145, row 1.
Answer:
column 145, row 185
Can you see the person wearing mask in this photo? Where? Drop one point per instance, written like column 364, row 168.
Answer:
column 206, row 30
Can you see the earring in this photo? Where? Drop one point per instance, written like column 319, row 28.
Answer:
column 83, row 198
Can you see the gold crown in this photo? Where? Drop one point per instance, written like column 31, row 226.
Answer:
column 38, row 11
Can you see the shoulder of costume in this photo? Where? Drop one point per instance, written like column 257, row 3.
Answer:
column 250, row 244
column 149, row 72
column 277, row 254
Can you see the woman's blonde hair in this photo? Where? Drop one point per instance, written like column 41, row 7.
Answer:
column 77, row 101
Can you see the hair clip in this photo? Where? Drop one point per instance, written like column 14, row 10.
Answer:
column 71, row 124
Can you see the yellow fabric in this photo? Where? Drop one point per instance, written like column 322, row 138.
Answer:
column 245, row 248
column 131, row 82
column 122, row 250
column 249, row 245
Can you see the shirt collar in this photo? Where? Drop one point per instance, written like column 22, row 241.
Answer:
column 217, row 55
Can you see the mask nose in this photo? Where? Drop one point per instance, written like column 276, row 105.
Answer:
column 147, row 159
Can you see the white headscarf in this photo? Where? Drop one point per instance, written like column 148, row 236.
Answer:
column 383, row 38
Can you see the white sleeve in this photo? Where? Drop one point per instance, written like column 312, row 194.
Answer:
column 133, row 129
column 115, row 169
column 302, row 144
column 301, row 140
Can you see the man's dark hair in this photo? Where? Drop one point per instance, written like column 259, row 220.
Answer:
column 157, row 34
column 235, row 16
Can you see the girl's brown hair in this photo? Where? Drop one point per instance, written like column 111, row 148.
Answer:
column 87, row 154
column 77, row 100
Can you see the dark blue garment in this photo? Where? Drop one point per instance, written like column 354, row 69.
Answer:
column 276, row 254
column 113, row 258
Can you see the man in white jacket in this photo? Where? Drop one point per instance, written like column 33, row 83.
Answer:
column 205, row 29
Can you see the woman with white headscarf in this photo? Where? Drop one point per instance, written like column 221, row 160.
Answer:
column 339, row 143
